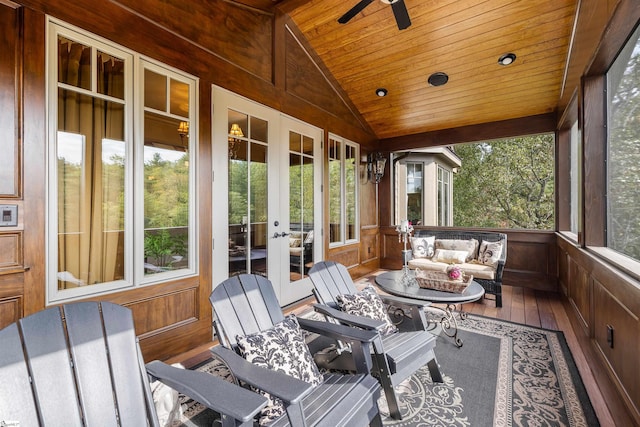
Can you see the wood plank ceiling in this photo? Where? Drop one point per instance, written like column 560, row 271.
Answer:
column 462, row 38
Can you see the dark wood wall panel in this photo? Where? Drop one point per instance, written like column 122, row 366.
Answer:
column 601, row 295
column 10, row 251
column 347, row 255
column 11, row 300
column 155, row 315
column 368, row 244
column 10, row 311
column 237, row 33
column 579, row 292
column 304, row 79
column 622, row 352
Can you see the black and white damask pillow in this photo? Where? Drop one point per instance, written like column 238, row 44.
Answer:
column 367, row 303
column 280, row 348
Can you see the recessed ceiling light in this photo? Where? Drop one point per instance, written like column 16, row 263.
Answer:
column 507, row 59
column 438, row 79
column 381, row 92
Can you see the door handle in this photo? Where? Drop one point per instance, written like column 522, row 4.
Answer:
column 283, row 234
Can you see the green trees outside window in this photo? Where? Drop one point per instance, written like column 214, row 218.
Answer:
column 506, row 183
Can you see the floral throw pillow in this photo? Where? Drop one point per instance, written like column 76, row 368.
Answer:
column 423, row 247
column 280, row 348
column 367, row 303
column 490, row 252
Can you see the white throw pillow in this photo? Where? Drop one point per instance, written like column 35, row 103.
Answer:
column 490, row 252
column 280, row 348
column 469, row 245
column 450, row 256
column 367, row 303
column 166, row 401
column 423, row 247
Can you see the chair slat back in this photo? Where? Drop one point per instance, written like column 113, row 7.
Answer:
column 83, row 359
column 244, row 304
column 16, row 399
column 330, row 279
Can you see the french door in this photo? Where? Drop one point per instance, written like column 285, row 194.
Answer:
column 266, row 213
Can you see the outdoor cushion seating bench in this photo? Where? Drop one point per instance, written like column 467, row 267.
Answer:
column 478, row 253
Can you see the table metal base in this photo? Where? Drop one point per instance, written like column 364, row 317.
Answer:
column 446, row 319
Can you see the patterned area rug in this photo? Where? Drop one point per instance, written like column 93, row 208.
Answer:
column 505, row 374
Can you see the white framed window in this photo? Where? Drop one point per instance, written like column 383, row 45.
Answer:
column 415, row 190
column 343, row 191
column 108, row 179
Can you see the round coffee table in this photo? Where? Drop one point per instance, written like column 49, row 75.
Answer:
column 393, row 283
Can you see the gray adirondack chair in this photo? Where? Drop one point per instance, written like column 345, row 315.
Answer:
column 247, row 304
column 80, row 364
column 396, row 356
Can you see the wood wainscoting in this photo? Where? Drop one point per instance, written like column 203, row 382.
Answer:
column 606, row 304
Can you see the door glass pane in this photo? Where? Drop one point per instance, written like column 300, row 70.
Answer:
column 301, row 197
column 166, row 194
column 258, row 208
column 91, row 197
column 247, row 195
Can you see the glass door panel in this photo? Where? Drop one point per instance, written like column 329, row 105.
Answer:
column 301, row 205
column 247, row 195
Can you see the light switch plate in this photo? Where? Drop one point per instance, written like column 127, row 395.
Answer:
column 8, row 215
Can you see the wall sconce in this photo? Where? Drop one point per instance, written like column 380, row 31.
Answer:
column 375, row 166
column 183, row 130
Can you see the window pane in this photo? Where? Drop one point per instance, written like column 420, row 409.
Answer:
column 166, row 195
column 110, row 75
column 623, row 197
column 414, row 193
column 351, row 180
column 91, row 193
column 155, row 90
column 74, row 63
column 179, row 98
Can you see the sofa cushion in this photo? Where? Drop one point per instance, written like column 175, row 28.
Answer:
column 423, row 247
column 490, row 252
column 469, row 245
column 477, row 270
column 450, row 256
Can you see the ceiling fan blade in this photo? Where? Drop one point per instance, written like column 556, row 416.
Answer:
column 401, row 14
column 354, row 11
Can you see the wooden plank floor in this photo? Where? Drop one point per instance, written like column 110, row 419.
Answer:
column 534, row 308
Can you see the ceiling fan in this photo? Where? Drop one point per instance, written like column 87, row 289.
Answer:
column 398, row 7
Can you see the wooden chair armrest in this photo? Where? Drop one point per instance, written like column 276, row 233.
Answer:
column 215, row 393
column 289, row 389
